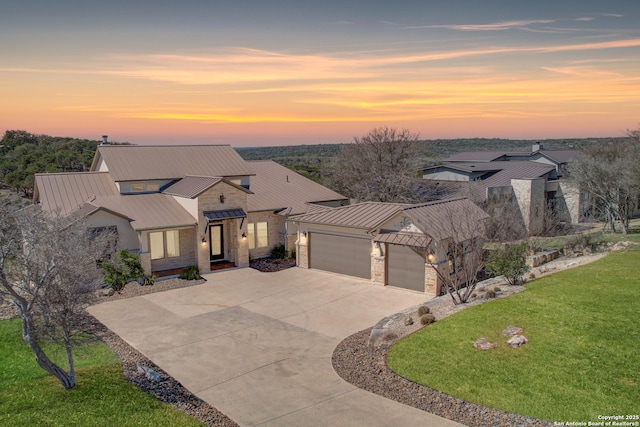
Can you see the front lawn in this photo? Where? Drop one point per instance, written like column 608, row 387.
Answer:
column 583, row 355
column 102, row 397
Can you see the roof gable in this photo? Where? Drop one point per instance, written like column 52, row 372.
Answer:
column 151, row 162
column 276, row 187
column 192, row 186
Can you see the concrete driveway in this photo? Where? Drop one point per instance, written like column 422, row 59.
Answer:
column 258, row 346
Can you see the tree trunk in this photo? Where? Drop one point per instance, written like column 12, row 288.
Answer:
column 43, row 361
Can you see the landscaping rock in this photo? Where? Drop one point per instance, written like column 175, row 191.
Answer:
column 105, row 292
column 484, row 344
column 149, row 373
column 517, row 340
column 408, row 321
column 511, row 330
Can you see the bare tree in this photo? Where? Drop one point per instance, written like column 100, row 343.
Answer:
column 610, row 174
column 458, row 258
column 48, row 272
column 379, row 166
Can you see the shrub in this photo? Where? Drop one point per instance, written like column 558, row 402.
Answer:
column 292, row 253
column 423, row 309
column 490, row 294
column 191, row 273
column 124, row 267
column 278, row 252
column 509, row 262
column 497, row 289
column 147, row 280
column 427, row 319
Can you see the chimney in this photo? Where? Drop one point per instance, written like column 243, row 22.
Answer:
column 105, row 139
column 536, row 147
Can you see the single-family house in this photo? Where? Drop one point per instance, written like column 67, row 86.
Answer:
column 534, row 179
column 389, row 243
column 185, row 205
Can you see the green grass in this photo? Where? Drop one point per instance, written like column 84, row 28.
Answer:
column 582, row 359
column 102, row 397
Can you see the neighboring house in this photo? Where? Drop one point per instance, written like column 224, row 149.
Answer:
column 389, row 243
column 185, row 205
column 534, row 179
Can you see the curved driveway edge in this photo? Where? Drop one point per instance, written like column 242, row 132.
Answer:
column 258, row 346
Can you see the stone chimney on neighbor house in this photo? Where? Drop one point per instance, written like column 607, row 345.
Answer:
column 105, row 139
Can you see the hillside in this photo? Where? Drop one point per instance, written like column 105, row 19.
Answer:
column 22, row 154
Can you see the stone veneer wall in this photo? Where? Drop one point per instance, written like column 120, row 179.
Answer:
column 302, row 251
column 187, row 253
column 235, row 248
column 529, row 195
column 274, row 224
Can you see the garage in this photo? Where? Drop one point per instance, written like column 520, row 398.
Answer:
column 405, row 268
column 348, row 255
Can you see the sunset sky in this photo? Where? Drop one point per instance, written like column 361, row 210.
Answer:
column 293, row 72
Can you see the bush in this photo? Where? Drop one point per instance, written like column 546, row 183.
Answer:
column 147, row 280
column 278, row 252
column 191, row 273
column 423, row 309
column 292, row 253
column 490, row 294
column 123, row 268
column 427, row 319
column 509, row 262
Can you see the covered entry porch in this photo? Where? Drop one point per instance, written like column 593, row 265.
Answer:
column 223, row 243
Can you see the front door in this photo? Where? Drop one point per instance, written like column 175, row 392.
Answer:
column 216, row 237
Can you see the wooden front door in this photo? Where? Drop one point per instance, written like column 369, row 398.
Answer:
column 216, row 239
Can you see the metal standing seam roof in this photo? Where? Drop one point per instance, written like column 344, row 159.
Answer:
column 224, row 214
column 447, row 218
column 63, row 193
column 191, row 186
column 147, row 211
column 277, row 187
column 151, row 162
column 406, row 239
column 365, row 215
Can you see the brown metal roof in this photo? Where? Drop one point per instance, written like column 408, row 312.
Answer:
column 459, row 218
column 191, row 186
column 276, row 187
column 406, row 239
column 366, row 215
column 146, row 162
column 63, row 193
column 147, row 211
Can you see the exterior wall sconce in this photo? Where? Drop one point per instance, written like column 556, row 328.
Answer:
column 222, row 198
column 204, row 240
column 431, row 257
column 244, row 236
column 304, row 233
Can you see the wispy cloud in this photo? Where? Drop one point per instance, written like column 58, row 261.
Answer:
column 497, row 26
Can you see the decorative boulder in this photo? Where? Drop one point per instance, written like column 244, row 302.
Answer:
column 511, row 330
column 517, row 340
column 408, row 321
column 149, row 373
column 105, row 292
column 484, row 344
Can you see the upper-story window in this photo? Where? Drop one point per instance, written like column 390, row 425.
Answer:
column 144, row 187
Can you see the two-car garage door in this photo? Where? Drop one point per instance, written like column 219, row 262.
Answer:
column 340, row 254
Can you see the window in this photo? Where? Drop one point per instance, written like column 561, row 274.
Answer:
column 258, row 235
column 136, row 188
column 164, row 244
column 153, row 187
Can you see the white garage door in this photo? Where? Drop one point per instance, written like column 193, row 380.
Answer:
column 405, row 268
column 340, row 254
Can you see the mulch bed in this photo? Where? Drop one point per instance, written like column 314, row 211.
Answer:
column 269, row 265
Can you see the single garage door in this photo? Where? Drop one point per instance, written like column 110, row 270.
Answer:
column 340, row 254
column 405, row 268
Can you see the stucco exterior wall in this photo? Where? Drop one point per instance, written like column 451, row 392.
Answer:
column 569, row 194
column 127, row 236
